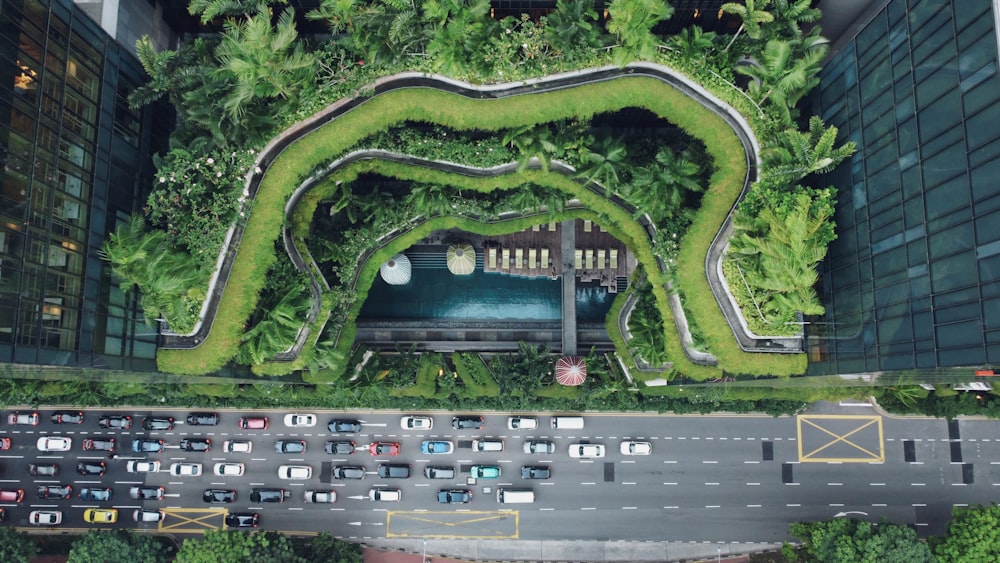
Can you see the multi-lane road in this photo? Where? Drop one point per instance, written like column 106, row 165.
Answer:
column 709, row 478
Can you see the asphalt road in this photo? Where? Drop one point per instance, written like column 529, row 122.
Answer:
column 709, row 478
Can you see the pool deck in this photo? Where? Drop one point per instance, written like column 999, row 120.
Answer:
column 568, row 243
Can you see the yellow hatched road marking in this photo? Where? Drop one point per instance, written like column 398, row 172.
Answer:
column 452, row 521
column 868, row 453
column 201, row 519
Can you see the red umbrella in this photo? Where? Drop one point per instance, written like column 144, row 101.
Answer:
column 571, row 370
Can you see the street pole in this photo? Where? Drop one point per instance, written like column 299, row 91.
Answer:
column 423, row 558
column 718, row 553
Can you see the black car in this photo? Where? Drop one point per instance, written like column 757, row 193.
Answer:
column 218, row 496
column 340, row 447
column 158, row 423
column 242, row 519
column 467, row 422
column 454, row 496
column 115, row 422
column 196, row 445
column 90, row 468
column 345, row 426
column 147, row 445
column 348, row 472
column 536, row 472
column 203, row 418
column 393, row 471
column 54, row 491
column 290, row 446
column 99, row 444
column 104, row 494
column 269, row 495
column 67, row 417
column 146, row 493
column 43, row 469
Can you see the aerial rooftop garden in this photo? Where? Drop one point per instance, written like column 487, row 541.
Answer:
column 308, row 129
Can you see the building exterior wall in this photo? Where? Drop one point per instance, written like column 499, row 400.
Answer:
column 911, row 281
column 76, row 162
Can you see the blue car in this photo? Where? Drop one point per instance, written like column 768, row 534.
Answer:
column 437, row 447
column 147, row 445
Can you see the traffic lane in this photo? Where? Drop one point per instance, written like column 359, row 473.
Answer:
column 718, row 427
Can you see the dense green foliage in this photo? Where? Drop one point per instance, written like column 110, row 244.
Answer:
column 973, row 535
column 237, row 546
column 15, row 546
column 118, row 545
column 844, row 540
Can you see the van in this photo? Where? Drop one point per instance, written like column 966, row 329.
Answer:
column 439, row 472
column 567, row 422
column 488, row 445
column 515, row 496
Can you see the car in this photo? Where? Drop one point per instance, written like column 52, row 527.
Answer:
column 299, row 420
column 295, row 472
column 237, row 446
column 254, row 423
column 536, row 472
column 203, row 418
column 269, row 495
column 485, row 471
column 45, row 517
column 196, row 444
column 384, row 494
column 182, row 469
column 522, row 422
column 147, row 445
column 139, row 466
column 320, row 496
column 586, row 450
column 487, row 445
column 91, row 468
column 416, row 423
column 67, row 417
column 5, row 443
column 115, row 422
column 539, row 447
column 344, row 426
column 229, row 469
column 146, row 493
column 99, row 444
column 439, row 472
column 467, row 422
column 218, row 496
column 100, row 515
column 242, row 519
column 23, row 418
column 158, row 423
column 348, row 472
column 43, row 469
column 631, row 447
column 98, row 494
column 384, row 448
column 454, row 496
column 437, row 447
column 140, row 515
column 340, row 447
column 54, row 444
column 11, row 495
column 290, row 446
column 54, row 491
column 393, row 471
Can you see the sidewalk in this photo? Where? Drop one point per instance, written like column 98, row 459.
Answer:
column 463, row 551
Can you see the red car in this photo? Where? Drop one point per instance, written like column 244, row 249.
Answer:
column 5, row 443
column 384, row 448
column 254, row 423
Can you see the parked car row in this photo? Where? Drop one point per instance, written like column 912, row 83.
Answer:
column 50, row 518
column 403, row 471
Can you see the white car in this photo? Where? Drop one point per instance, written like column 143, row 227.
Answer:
column 586, row 450
column 229, row 469
column 295, row 472
column 631, row 447
column 385, row 495
column 45, row 517
column 137, row 466
column 416, row 423
column 237, row 446
column 522, row 422
column 321, row 496
column 148, row 515
column 54, row 444
column 185, row 469
column 299, row 420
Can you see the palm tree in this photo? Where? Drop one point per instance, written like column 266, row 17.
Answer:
column 211, row 9
column 692, row 42
column 752, row 14
column 277, row 331
column 456, row 29
column 660, row 188
column 784, row 75
column 532, row 141
column 603, row 161
column 338, row 14
column 430, row 199
column 794, row 154
column 632, row 23
column 572, row 28
column 790, row 14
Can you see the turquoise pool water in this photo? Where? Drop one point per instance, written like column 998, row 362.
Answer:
column 436, row 293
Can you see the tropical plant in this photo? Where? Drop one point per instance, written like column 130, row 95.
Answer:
column 660, row 188
column 846, row 540
column 430, row 199
column 645, row 326
column 603, row 161
column 16, row 546
column 789, row 15
column 571, row 29
column 785, row 72
column 217, row 546
column 117, row 545
column 752, row 15
column 277, row 331
column 456, row 29
column 211, row 9
column 338, row 14
column 792, row 154
column 532, row 141
column 632, row 23
column 973, row 535
column 692, row 42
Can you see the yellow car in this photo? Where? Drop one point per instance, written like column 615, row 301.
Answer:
column 100, row 515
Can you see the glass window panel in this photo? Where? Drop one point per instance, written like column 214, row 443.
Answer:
column 982, row 127
column 950, row 241
column 945, row 166
column 977, row 55
column 950, row 140
column 887, row 263
column 972, row 31
column 907, row 135
column 960, row 356
column 882, row 157
column 991, row 316
column 984, row 180
column 984, row 154
column 985, row 94
column 969, row 311
column 987, row 228
column 971, row 13
column 913, row 212
column 882, row 183
column 953, row 272
column 940, row 116
column 936, row 85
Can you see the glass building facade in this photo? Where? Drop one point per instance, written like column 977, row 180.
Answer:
column 912, row 280
column 75, row 162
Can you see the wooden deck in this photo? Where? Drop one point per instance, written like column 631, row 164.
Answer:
column 537, row 252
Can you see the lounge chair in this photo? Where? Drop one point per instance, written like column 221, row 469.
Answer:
column 588, row 259
column 587, row 225
column 505, row 259
column 545, row 257
column 518, row 258
column 601, row 264
column 536, row 228
column 614, row 258
column 493, row 258
column 578, row 264
column 532, row 255
column 552, row 225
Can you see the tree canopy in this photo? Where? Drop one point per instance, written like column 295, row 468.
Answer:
column 234, row 546
column 973, row 535
column 116, row 545
column 16, row 547
column 842, row 540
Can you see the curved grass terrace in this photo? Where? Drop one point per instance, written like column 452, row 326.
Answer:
column 305, row 149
